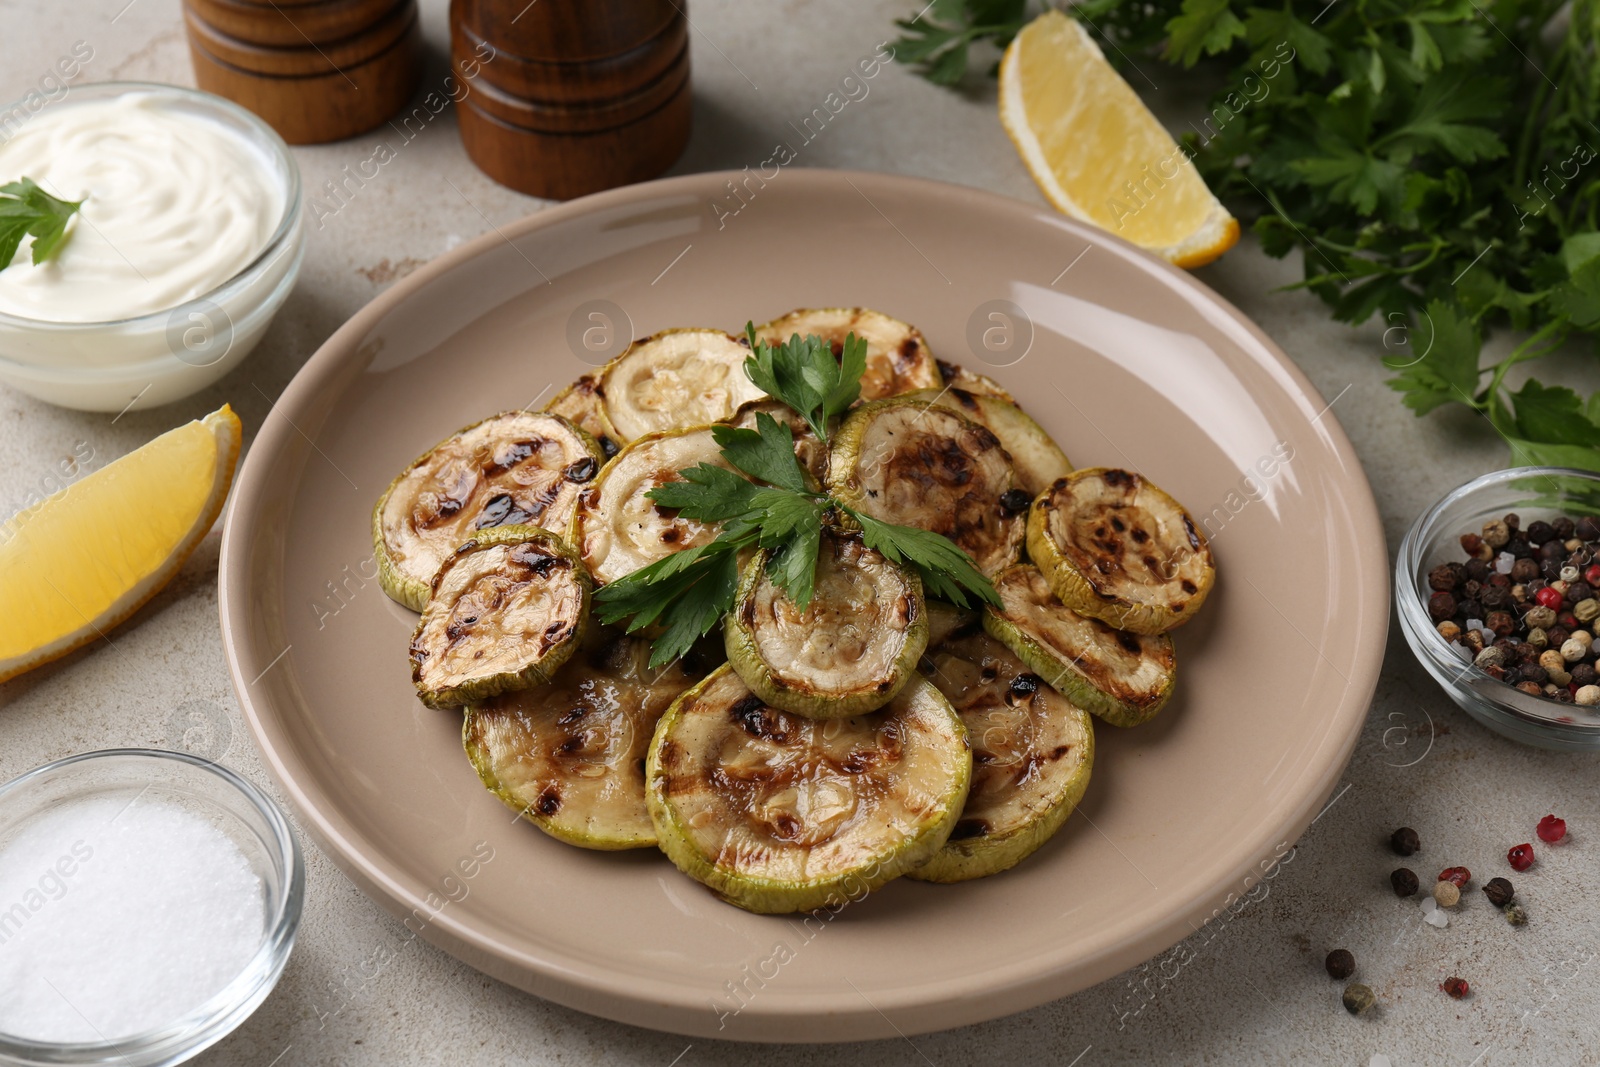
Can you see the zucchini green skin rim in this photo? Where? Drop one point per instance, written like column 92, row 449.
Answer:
column 986, row 854
column 759, row 678
column 413, row 592
column 769, row 896
column 534, row 674
column 1074, row 589
column 991, row 411
column 1064, row 676
column 480, row 763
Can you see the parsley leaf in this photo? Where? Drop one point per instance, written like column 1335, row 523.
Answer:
column 1442, row 353
column 803, row 373
column 765, row 453
column 946, row 571
column 26, row 209
column 708, row 493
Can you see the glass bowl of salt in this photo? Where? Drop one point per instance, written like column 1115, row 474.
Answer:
column 148, row 903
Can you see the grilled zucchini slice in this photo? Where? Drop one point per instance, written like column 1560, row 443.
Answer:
column 618, row 528
column 1038, row 460
column 1115, row 547
column 675, row 379
column 898, row 359
column 778, row 813
column 519, row 468
column 852, row 649
column 908, row 462
column 1032, row 753
column 583, row 404
column 1123, row 677
column 958, row 377
column 812, row 453
column 508, row 608
column 570, row 755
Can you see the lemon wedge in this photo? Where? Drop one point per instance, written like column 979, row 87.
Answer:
column 1098, row 153
column 81, row 561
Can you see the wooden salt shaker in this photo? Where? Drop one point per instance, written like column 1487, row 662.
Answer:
column 575, row 95
column 315, row 70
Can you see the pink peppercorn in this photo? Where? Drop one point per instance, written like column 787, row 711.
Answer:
column 1520, row 856
column 1552, row 829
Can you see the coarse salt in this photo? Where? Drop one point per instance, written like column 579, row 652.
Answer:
column 1504, row 562
column 1474, row 624
column 118, row 917
column 1437, row 917
column 1379, row 1060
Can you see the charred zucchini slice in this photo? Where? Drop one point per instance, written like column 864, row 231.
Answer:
column 958, row 377
column 852, row 649
column 674, row 379
column 1114, row 546
column 519, row 468
column 1124, row 678
column 1038, row 460
column 898, row 359
column 508, row 608
column 618, row 528
column 584, row 405
column 1032, row 752
column 570, row 755
column 908, row 462
column 812, row 453
column 778, row 813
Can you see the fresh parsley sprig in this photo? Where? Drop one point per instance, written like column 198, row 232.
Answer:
column 765, row 501
column 26, row 209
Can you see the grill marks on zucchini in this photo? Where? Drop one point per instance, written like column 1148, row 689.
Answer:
column 570, row 756
column 675, row 379
column 915, row 464
column 1038, row 460
column 618, row 528
column 849, row 652
column 583, row 404
column 519, row 468
column 1032, row 754
column 507, row 610
column 778, row 813
column 1122, row 677
column 898, row 358
column 1114, row 546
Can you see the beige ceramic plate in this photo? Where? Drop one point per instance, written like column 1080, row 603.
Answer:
column 1131, row 362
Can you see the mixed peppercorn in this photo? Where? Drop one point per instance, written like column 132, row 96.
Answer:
column 1523, row 606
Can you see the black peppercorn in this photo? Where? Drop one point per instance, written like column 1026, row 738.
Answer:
column 1550, row 569
column 1540, row 531
column 1444, row 577
column 1556, row 636
column 1495, row 596
column 1553, row 550
column 1499, row 892
column 1578, row 592
column 1564, row 528
column 1340, row 964
column 1404, row 841
column 1441, row 606
column 1513, row 521
column 1587, row 528
column 1404, row 881
column 1470, row 608
column 1562, row 695
column 1519, row 548
column 1524, row 570
column 1532, row 672
column 1526, row 653
column 1477, row 570
column 1533, row 689
column 1500, row 622
column 1016, row 501
column 1583, row 674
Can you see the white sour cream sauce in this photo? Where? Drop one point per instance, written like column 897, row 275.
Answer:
column 174, row 206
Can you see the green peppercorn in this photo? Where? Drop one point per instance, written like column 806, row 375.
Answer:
column 1358, row 998
column 1516, row 915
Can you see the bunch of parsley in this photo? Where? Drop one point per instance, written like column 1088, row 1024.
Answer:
column 766, row 502
column 1436, row 161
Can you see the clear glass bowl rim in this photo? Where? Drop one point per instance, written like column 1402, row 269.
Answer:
column 1408, row 577
column 267, row 963
column 286, row 228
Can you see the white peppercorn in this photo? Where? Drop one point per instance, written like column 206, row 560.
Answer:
column 1588, row 696
column 1496, row 533
column 1573, row 650
column 1569, row 573
column 1493, row 656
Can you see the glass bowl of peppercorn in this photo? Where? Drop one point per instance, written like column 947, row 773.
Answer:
column 1498, row 591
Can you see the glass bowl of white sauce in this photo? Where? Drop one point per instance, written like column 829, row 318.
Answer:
column 188, row 240
column 149, row 901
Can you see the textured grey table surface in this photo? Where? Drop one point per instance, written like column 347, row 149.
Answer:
column 1248, row 988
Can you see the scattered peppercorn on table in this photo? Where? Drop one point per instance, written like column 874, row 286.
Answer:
column 1336, row 957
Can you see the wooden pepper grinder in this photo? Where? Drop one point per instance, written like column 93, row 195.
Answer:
column 576, row 95
column 315, row 70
